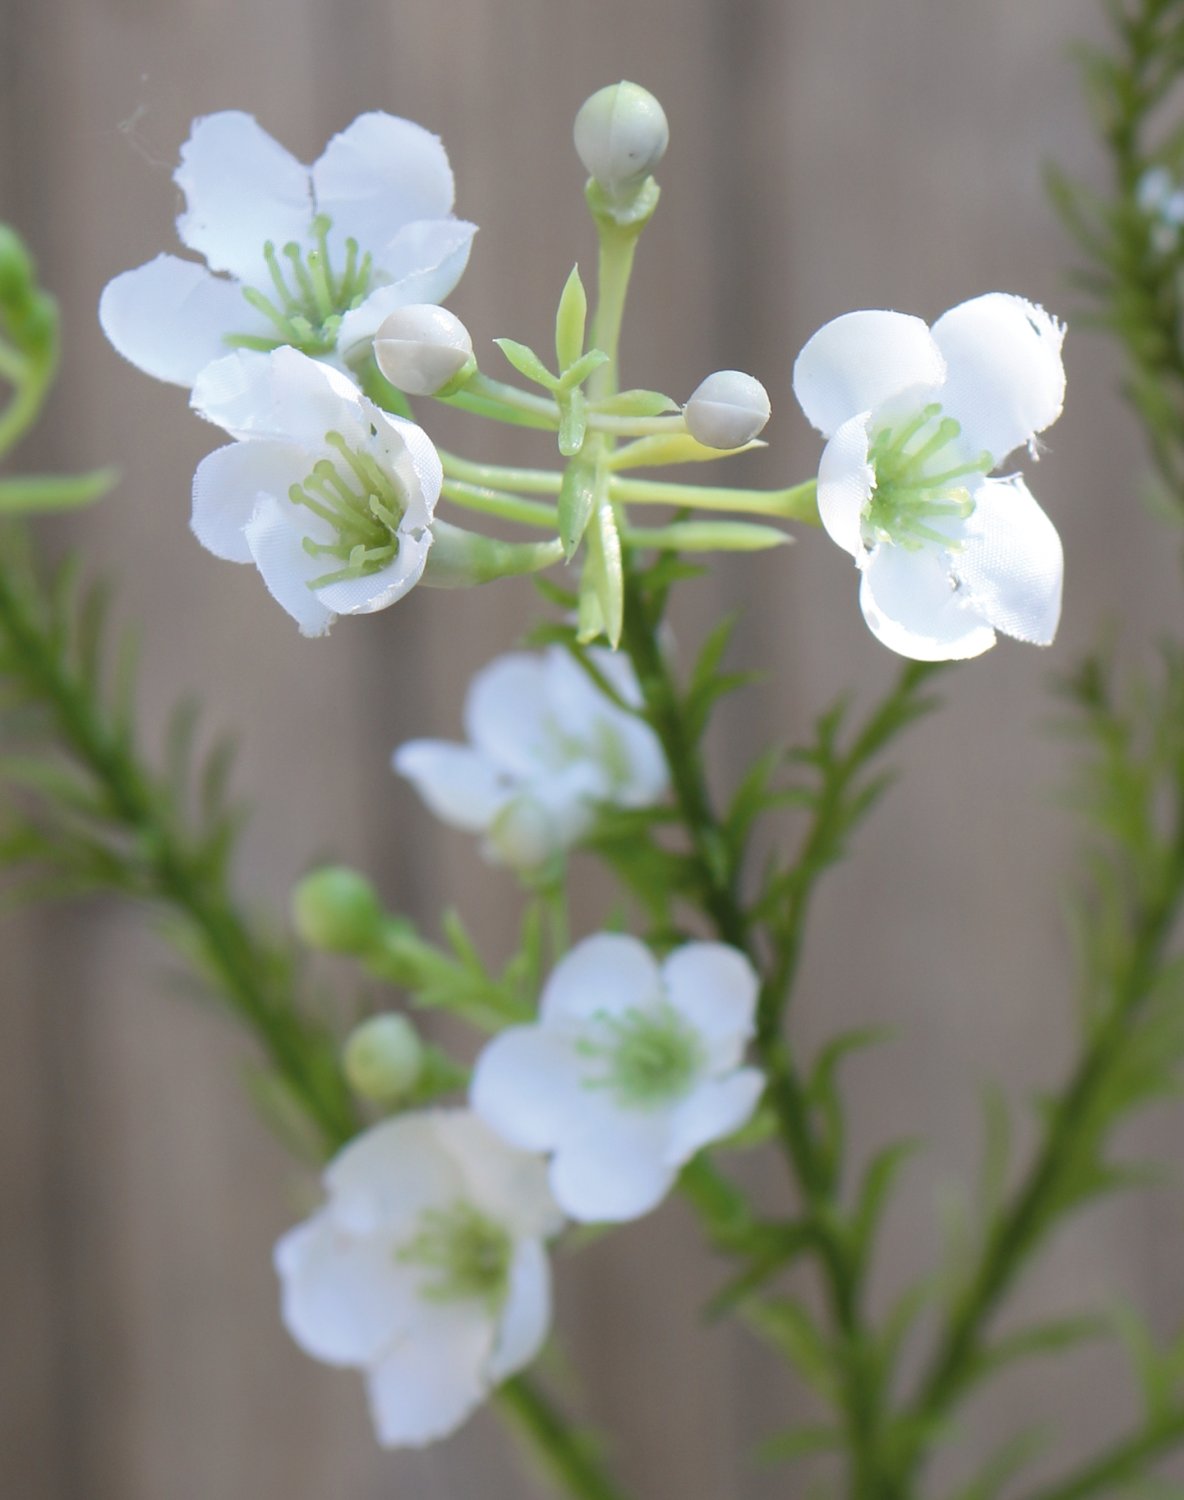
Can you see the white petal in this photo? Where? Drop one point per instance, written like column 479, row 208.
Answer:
column 387, row 1176
column 622, row 743
column 910, row 603
column 277, row 548
column 526, row 1317
column 424, row 262
column 426, row 1385
column 171, row 317
column 855, row 362
column 1006, row 380
column 227, row 486
column 283, row 395
column 343, row 1298
column 606, row 974
column 379, row 174
column 715, row 988
column 619, row 1171
column 242, row 189
column 507, row 713
column 845, row 484
column 546, row 815
column 507, row 1184
column 528, row 1085
column 407, row 452
column 1012, row 565
column 715, row 1108
column 458, row 783
column 379, row 590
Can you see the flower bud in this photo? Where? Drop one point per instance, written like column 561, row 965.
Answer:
column 383, row 1059
column 621, row 135
column 337, row 911
column 424, row 350
column 727, row 410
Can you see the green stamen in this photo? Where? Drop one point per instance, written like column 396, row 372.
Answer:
column 467, row 1254
column 364, row 507
column 651, row 1056
column 910, row 492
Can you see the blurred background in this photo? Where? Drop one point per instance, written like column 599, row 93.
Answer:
column 825, row 155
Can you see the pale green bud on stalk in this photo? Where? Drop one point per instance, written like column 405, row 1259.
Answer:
column 727, row 410
column 621, row 135
column 336, row 910
column 383, row 1059
column 425, row 351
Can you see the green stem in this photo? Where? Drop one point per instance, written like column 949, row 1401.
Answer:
column 1125, row 1462
column 31, row 386
column 569, row 1458
column 617, row 247
column 498, row 503
column 498, row 477
column 797, row 503
column 504, row 403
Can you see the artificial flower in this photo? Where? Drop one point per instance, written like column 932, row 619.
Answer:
column 315, row 257
column 546, row 745
column 425, row 1269
column 631, row 1068
column 330, row 497
column 917, row 419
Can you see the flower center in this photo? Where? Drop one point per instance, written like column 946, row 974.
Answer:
column 363, row 504
column 919, row 481
column 467, row 1255
column 650, row 1056
column 307, row 298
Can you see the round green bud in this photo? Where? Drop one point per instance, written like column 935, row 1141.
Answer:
column 727, row 410
column 424, row 350
column 383, row 1059
column 337, row 910
column 621, row 135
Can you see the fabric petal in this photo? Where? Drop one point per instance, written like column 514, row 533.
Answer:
column 859, row 360
column 1012, row 565
column 845, row 484
column 374, row 591
column 227, row 486
column 407, row 452
column 242, row 189
column 423, row 263
column 715, row 988
column 627, row 749
column 277, row 547
column 387, row 1176
column 912, row 606
column 377, row 175
column 426, row 1385
column 343, row 1298
column 458, row 783
column 507, row 713
column 715, row 1108
column 508, row 1184
column 526, row 1316
column 617, row 1172
column 171, row 317
column 528, row 1085
column 1006, row 379
column 283, row 395
column 604, row 975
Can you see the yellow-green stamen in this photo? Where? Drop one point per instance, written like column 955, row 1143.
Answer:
column 467, row 1254
column 651, row 1056
column 364, row 505
column 909, row 496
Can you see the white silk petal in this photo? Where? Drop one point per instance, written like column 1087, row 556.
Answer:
column 421, row 264
column 910, row 604
column 715, row 988
column 227, row 486
column 379, row 590
column 606, row 974
column 282, row 395
column 713, row 1110
column 277, row 548
column 507, row 1184
column 845, row 484
column 507, row 712
column 858, row 361
column 1012, row 564
column 459, row 784
column 529, row 1086
column 618, row 1171
column 390, row 1174
column 428, row 1383
column 526, row 1316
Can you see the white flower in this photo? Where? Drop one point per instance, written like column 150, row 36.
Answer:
column 330, row 497
column 917, row 420
column 314, row 257
column 546, row 747
column 631, row 1069
column 425, row 1269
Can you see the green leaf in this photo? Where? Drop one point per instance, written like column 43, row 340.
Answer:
column 802, row 1442
column 527, row 363
column 635, row 403
column 603, row 579
column 676, row 448
column 791, row 1329
column 582, row 368
column 573, row 422
column 570, row 321
column 876, row 1190
column 37, row 494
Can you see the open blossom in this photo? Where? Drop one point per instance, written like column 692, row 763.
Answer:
column 315, row 257
column 632, row 1068
column 425, row 1269
column 546, row 745
column 917, row 419
column 330, row 497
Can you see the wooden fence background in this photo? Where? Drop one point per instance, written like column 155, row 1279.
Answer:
column 826, row 154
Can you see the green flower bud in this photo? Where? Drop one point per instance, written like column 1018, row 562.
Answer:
column 337, row 911
column 425, row 350
column 383, row 1059
column 727, row 410
column 621, row 135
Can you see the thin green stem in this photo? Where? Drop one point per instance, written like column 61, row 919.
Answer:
column 617, row 247
column 31, row 386
column 568, row 1457
column 499, row 477
column 797, row 503
column 1121, row 1464
column 498, row 503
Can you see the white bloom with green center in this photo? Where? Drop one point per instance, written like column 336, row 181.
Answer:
column 546, row 746
column 315, row 257
column 425, row 1269
column 917, row 419
column 632, row 1067
column 331, row 498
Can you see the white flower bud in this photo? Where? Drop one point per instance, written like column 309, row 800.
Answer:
column 423, row 349
column 621, row 135
column 383, row 1058
column 727, row 410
